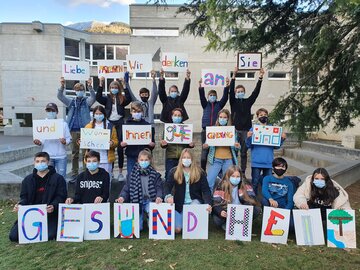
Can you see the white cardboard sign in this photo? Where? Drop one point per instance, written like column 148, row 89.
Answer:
column 178, row 62
column 75, row 70
column 48, row 129
column 249, row 61
column 239, row 222
column 70, row 223
column 275, row 225
column 214, row 77
column 96, row 139
column 139, row 62
column 308, row 227
column 126, row 220
column 137, row 134
column 162, row 221
column 341, row 228
column 97, row 221
column 111, row 68
column 220, row 136
column 266, row 135
column 195, row 222
column 178, row 133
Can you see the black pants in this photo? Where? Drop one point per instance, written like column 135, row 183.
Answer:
column 204, row 152
column 120, row 151
column 52, row 229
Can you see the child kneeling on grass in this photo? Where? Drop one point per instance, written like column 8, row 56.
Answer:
column 143, row 185
column 233, row 189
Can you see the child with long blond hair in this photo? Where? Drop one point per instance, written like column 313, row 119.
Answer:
column 233, row 189
column 186, row 184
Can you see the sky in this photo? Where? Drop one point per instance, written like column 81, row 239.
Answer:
column 66, row 12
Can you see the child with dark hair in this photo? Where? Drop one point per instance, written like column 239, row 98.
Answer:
column 261, row 155
column 175, row 98
column 211, row 107
column 92, row 185
column 278, row 190
column 319, row 191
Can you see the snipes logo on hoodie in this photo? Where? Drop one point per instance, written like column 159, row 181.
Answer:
column 90, row 184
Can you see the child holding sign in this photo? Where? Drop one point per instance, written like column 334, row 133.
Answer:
column 132, row 151
column 56, row 148
column 92, row 185
column 175, row 99
column 261, row 155
column 211, row 107
column 221, row 157
column 173, row 151
column 233, row 189
column 186, row 184
column 115, row 103
column 143, row 185
column 78, row 116
column 107, row 157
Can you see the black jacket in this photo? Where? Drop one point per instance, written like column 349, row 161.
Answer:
column 107, row 102
column 55, row 190
column 198, row 191
column 171, row 103
column 241, row 108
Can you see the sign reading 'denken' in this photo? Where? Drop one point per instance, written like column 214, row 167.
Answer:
column 91, row 138
column 174, row 61
column 75, row 70
column 249, row 61
column 48, row 129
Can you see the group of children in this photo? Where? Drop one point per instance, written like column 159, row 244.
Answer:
column 185, row 182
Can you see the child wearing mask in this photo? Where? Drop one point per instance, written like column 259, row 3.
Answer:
column 186, row 184
column 132, row 151
column 221, row 157
column 107, row 157
column 173, row 151
column 115, row 103
column 319, row 191
column 261, row 155
column 175, row 99
column 143, row 185
column 92, row 185
column 211, row 107
column 233, row 189
column 277, row 189
column 78, row 116
column 56, row 148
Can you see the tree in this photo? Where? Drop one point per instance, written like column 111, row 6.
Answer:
column 340, row 217
column 319, row 37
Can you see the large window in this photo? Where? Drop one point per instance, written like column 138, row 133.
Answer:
column 278, row 75
column 155, row 32
column 297, row 79
column 71, row 49
column 243, row 75
column 106, row 52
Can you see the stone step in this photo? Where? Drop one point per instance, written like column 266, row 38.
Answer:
column 13, row 154
column 331, row 150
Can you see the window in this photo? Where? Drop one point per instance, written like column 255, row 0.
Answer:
column 147, row 75
column 308, row 84
column 106, row 52
column 155, row 32
column 109, row 52
column 87, row 51
column 121, row 52
column 243, row 75
column 98, row 52
column 71, row 48
column 278, row 75
column 26, row 117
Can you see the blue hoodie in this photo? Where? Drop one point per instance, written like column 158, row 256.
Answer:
column 280, row 190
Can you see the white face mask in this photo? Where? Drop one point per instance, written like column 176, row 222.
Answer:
column 186, row 162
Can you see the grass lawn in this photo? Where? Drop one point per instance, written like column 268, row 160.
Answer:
column 215, row 253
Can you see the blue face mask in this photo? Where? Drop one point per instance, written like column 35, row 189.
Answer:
column 114, row 91
column 42, row 166
column 240, row 95
column 99, row 117
column 92, row 166
column 51, row 115
column 173, row 94
column 223, row 121
column 144, row 164
column 212, row 99
column 235, row 180
column 80, row 93
column 177, row 119
column 136, row 116
column 319, row 183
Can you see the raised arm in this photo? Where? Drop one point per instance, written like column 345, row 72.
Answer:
column 203, row 100
column 90, row 100
column 162, row 92
column 154, row 91
column 232, row 88
column 186, row 87
column 256, row 91
column 60, row 94
column 127, row 84
column 225, row 96
column 99, row 93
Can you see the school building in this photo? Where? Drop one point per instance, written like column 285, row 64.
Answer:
column 31, row 55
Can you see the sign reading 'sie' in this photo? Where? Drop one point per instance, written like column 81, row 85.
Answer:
column 249, row 61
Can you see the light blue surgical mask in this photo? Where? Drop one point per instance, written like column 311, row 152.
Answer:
column 176, row 119
column 212, row 99
column 51, row 115
column 137, row 116
column 223, row 121
column 144, row 164
column 42, row 166
column 114, row 91
column 235, row 180
column 173, row 94
column 99, row 117
column 92, row 166
column 186, row 162
column 240, row 95
column 319, row 183
column 80, row 93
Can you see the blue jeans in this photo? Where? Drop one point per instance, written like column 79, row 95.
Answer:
column 179, row 216
column 169, row 164
column 215, row 168
column 59, row 165
column 145, row 208
column 130, row 163
column 257, row 177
